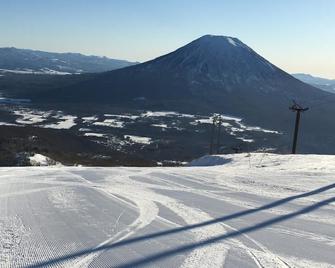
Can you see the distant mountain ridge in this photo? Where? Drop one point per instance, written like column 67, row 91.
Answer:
column 322, row 83
column 23, row 61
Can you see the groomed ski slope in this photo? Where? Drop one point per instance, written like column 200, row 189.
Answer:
column 250, row 210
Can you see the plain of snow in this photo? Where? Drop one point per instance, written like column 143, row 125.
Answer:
column 244, row 210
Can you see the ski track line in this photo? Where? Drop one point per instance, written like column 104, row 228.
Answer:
column 251, row 205
column 119, row 236
column 307, row 235
column 266, row 257
column 280, row 261
column 211, row 256
column 148, row 211
column 30, row 191
column 269, row 255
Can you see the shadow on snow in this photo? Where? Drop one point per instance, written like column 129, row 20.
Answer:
column 203, row 243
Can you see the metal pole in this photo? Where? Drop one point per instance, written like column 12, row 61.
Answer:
column 212, row 137
column 219, row 135
column 296, row 130
column 298, row 109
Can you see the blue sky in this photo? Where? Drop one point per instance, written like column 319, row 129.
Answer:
column 296, row 35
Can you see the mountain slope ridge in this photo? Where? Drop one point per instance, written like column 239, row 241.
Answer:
column 15, row 60
column 319, row 82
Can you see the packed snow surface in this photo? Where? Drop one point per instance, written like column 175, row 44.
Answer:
column 244, row 210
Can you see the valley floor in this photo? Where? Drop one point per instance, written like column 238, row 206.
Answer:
column 252, row 210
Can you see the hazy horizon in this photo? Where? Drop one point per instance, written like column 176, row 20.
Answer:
column 293, row 35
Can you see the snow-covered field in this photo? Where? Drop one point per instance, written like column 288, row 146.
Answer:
column 255, row 210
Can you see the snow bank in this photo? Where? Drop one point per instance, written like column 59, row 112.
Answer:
column 42, row 160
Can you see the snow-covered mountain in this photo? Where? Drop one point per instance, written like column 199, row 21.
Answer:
column 26, row 61
column 211, row 68
column 251, row 210
column 221, row 61
column 322, row 83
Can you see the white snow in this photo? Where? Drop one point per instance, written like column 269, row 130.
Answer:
column 138, row 139
column 92, row 134
column 66, row 122
column 54, row 72
column 165, row 114
column 29, row 71
column 210, row 121
column 42, row 160
column 35, row 117
column 246, row 210
column 8, row 124
column 160, row 125
column 30, row 116
column 233, row 129
column 127, row 116
column 251, row 128
column 231, row 41
column 89, row 119
column 83, row 129
column 245, row 140
column 159, row 114
column 110, row 123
